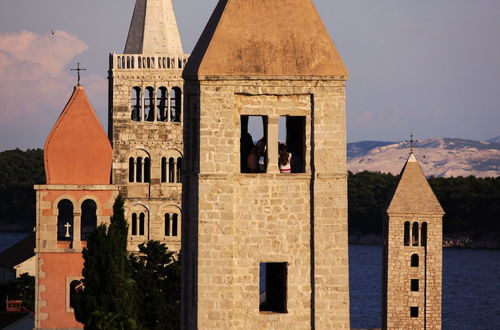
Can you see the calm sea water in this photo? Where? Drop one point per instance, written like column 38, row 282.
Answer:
column 471, row 288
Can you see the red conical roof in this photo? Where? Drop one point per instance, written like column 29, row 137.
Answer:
column 77, row 150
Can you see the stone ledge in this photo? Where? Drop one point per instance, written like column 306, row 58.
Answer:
column 96, row 187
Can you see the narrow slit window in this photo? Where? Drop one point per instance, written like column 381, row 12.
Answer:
column 423, row 234
column 142, row 223
column 414, row 234
column 167, row 224
column 175, row 220
column 131, row 167
column 149, row 104
column 292, row 144
column 171, row 170
column 407, row 233
column 134, row 224
column 413, row 311
column 179, row 170
column 273, row 287
column 163, row 169
column 161, row 103
column 414, row 285
column 414, row 260
column 135, row 104
column 253, row 144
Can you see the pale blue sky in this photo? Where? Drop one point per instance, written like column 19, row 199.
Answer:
column 431, row 67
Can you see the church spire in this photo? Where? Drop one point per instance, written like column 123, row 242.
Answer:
column 153, row 29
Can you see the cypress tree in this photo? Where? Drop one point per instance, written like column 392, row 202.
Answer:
column 107, row 300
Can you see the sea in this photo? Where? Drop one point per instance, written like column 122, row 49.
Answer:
column 471, row 286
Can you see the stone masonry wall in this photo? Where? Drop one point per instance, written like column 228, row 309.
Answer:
column 400, row 272
column 237, row 220
column 155, row 140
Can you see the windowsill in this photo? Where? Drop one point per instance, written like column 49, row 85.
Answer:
column 156, row 122
column 276, row 175
column 272, row 313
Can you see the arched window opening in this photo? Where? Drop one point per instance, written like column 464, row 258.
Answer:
column 118, row 62
column 149, row 62
column 167, row 224
column 123, row 62
column 133, row 62
column 65, row 220
column 164, row 169
column 139, row 62
column 144, row 62
column 149, row 104
column 174, row 224
column 75, row 287
column 414, row 260
column 153, row 61
column 134, row 224
column 161, row 102
column 175, row 104
column 135, row 104
column 414, row 234
column 142, row 221
column 139, row 170
column 164, row 62
column 128, row 62
column 171, row 170
column 423, row 235
column 179, row 170
column 407, row 234
column 147, row 169
column 89, row 218
column 131, row 167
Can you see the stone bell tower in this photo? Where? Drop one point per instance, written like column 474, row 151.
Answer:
column 413, row 254
column 262, row 249
column 145, row 123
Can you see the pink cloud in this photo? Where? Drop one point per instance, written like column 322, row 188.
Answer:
column 36, row 83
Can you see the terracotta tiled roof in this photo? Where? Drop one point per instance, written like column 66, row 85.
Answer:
column 19, row 252
column 77, row 150
column 413, row 194
column 265, row 38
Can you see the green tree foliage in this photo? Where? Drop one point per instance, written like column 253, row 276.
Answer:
column 157, row 275
column 22, row 288
column 20, row 171
column 472, row 205
column 108, row 298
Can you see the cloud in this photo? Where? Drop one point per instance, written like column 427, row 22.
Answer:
column 36, row 83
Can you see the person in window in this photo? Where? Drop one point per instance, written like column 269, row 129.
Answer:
column 284, row 160
column 254, row 156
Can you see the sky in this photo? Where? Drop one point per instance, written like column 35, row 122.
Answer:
column 429, row 67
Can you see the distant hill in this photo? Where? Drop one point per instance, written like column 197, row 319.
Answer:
column 441, row 157
column 494, row 140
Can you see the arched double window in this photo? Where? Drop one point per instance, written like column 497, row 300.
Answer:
column 139, row 169
column 138, row 224
column 136, row 103
column 65, row 221
column 171, row 224
column 89, row 219
column 171, row 169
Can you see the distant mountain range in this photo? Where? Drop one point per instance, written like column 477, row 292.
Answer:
column 442, row 157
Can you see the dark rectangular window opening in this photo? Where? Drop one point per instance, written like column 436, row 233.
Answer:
column 413, row 311
column 292, row 144
column 253, row 144
column 414, row 285
column 273, row 287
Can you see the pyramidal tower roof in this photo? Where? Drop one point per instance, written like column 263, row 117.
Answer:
column 413, row 193
column 77, row 150
column 265, row 38
column 153, row 29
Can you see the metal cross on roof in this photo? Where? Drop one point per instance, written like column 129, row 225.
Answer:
column 411, row 141
column 78, row 69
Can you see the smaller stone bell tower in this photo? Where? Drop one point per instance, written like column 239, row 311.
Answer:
column 413, row 254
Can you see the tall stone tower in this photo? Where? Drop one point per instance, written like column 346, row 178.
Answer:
column 261, row 249
column 76, row 198
column 145, row 123
column 413, row 254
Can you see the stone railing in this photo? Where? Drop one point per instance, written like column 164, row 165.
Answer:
column 141, row 62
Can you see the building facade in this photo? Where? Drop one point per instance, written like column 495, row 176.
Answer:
column 413, row 254
column 262, row 249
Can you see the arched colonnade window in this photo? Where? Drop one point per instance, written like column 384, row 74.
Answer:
column 161, row 105
column 415, row 234
column 66, row 219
